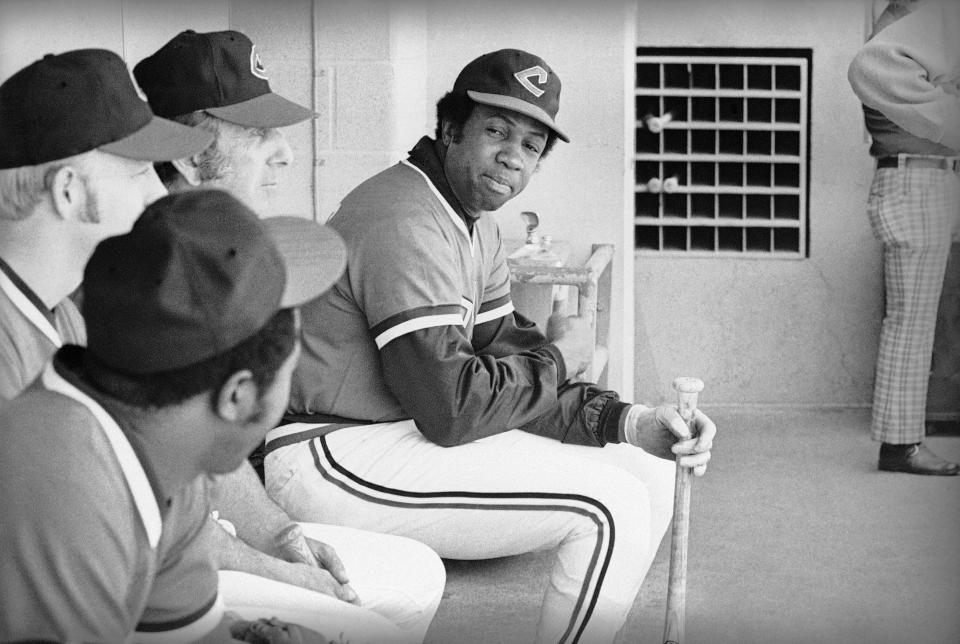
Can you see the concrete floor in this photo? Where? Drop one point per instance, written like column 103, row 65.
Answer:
column 795, row 537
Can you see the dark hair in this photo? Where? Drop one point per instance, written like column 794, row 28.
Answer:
column 456, row 108
column 263, row 353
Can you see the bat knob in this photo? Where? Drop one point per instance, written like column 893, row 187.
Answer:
column 688, row 389
column 687, row 385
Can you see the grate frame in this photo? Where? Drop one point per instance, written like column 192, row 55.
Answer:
column 727, row 172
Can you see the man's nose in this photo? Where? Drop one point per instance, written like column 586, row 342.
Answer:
column 284, row 154
column 510, row 155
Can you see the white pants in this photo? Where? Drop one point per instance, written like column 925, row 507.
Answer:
column 504, row 495
column 399, row 581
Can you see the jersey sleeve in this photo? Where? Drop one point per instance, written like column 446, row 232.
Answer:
column 499, row 330
column 183, row 605
column 401, row 279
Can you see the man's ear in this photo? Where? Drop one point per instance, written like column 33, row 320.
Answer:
column 238, row 398
column 189, row 169
column 68, row 192
column 448, row 132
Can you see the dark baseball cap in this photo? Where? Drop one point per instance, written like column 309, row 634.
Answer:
column 80, row 100
column 516, row 80
column 218, row 72
column 199, row 273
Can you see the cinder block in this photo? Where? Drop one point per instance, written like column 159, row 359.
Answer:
column 365, row 99
column 282, row 29
column 414, row 112
column 323, row 106
column 355, row 30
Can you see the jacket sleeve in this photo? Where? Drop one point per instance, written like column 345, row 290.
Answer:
column 909, row 73
column 457, row 396
column 506, row 336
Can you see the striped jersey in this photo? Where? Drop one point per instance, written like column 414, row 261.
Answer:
column 412, row 264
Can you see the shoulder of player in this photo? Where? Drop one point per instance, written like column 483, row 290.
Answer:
column 42, row 427
column 399, row 194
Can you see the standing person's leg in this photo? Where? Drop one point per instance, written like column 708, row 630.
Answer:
column 911, row 212
column 508, row 494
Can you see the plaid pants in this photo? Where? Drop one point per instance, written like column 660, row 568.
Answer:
column 915, row 212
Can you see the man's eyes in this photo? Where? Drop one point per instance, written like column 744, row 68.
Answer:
column 503, row 132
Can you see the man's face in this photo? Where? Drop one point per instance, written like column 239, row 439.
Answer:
column 255, row 161
column 117, row 191
column 498, row 151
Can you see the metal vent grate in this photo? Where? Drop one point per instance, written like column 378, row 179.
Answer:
column 721, row 158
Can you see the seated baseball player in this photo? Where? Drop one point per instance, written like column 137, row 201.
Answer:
column 192, row 337
column 75, row 167
column 454, row 420
column 217, row 82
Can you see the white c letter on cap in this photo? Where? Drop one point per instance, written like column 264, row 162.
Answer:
column 525, row 75
column 256, row 65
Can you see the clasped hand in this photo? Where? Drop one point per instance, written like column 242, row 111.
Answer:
column 656, row 430
column 317, row 565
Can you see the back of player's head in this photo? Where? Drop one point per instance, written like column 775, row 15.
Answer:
column 198, row 283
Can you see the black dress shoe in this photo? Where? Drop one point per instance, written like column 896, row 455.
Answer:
column 915, row 459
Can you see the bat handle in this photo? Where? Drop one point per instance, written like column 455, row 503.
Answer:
column 687, row 390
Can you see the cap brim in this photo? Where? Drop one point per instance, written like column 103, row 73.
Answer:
column 161, row 140
column 517, row 105
column 314, row 255
column 267, row 110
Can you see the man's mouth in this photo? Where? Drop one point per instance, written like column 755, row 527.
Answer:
column 498, row 184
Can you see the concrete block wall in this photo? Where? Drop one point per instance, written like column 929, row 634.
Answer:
column 771, row 332
column 370, row 91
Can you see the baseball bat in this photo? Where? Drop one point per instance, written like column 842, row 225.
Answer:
column 673, row 632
